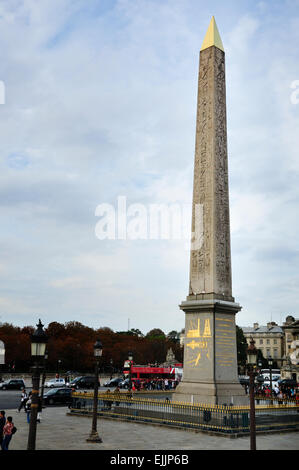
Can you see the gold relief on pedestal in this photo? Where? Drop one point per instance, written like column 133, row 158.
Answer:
column 199, row 347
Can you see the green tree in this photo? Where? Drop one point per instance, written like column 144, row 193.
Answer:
column 241, row 346
column 156, row 333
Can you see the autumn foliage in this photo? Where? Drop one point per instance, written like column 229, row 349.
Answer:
column 70, row 347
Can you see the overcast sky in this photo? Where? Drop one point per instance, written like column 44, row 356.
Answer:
column 100, row 103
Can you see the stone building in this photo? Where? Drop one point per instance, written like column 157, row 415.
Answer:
column 290, row 369
column 269, row 339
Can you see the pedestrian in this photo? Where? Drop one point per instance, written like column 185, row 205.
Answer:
column 280, row 397
column 107, row 403
column 28, row 407
column 24, row 397
column 7, row 433
column 276, row 390
column 39, row 409
column 117, row 393
column 2, row 423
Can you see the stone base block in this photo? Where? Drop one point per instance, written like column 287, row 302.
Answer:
column 211, row 393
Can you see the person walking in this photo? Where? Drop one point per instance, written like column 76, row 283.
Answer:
column 28, row 407
column 117, row 393
column 7, row 433
column 2, row 423
column 24, row 397
column 39, row 409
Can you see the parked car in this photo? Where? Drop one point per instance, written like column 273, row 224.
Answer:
column 58, row 396
column 288, row 383
column 113, row 382
column 124, row 384
column 55, row 383
column 244, row 380
column 12, row 384
column 85, row 381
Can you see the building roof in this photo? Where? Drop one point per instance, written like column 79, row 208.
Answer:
column 262, row 329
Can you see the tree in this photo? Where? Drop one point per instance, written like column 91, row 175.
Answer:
column 173, row 336
column 136, row 332
column 241, row 346
column 55, row 329
column 156, row 333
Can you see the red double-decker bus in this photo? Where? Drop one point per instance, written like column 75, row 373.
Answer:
column 142, row 374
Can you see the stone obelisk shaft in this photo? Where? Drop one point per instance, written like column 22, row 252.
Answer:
column 210, row 352
column 210, row 263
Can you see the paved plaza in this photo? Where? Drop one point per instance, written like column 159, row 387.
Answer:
column 59, row 431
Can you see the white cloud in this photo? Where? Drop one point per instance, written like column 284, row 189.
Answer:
column 101, row 102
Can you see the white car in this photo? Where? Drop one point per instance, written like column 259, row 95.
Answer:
column 55, row 383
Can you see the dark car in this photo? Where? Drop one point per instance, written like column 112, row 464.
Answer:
column 124, row 384
column 113, row 382
column 58, row 396
column 244, row 381
column 84, row 382
column 12, row 384
column 288, row 383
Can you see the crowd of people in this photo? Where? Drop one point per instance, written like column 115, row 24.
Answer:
column 7, row 427
column 154, row 384
column 7, row 430
column 279, row 392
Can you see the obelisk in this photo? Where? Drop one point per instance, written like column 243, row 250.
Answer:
column 210, row 354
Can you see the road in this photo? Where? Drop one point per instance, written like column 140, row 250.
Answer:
column 10, row 399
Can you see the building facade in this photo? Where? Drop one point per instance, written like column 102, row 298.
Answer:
column 268, row 339
column 290, row 369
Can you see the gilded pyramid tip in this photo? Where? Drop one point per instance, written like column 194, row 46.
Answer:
column 212, row 37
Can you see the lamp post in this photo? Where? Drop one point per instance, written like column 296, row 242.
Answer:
column 112, row 369
column 130, row 357
column 58, row 368
column 44, row 377
column 251, row 361
column 98, row 350
column 39, row 341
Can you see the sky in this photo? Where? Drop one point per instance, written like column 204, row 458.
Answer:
column 98, row 108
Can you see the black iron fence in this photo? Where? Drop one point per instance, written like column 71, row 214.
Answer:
column 217, row 419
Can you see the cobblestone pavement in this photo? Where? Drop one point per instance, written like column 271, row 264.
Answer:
column 59, row 431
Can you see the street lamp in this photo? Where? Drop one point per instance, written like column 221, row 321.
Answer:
column 130, row 357
column 39, row 341
column 97, row 350
column 251, row 361
column 112, row 369
column 58, row 367
column 44, row 377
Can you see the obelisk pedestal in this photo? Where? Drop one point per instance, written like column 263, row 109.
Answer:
column 210, row 353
